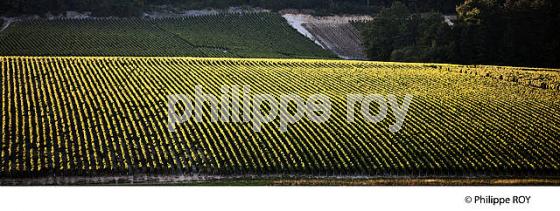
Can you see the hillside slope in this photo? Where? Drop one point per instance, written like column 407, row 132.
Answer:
column 108, row 116
column 335, row 33
column 263, row 35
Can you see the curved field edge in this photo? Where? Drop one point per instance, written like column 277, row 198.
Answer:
column 259, row 35
column 544, row 78
column 462, row 115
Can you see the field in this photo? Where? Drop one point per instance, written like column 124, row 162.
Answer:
column 107, row 116
column 261, row 35
column 339, row 34
column 343, row 39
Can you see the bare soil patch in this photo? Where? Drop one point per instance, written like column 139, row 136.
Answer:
column 335, row 33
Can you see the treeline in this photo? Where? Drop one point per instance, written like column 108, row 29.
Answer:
column 502, row 32
column 136, row 7
column 121, row 8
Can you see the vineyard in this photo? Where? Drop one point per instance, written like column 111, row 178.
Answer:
column 262, row 35
column 339, row 34
column 107, row 116
column 343, row 39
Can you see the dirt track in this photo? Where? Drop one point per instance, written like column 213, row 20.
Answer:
column 7, row 22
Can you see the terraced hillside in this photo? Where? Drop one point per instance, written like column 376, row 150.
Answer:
column 335, row 33
column 107, row 116
column 262, row 35
column 342, row 39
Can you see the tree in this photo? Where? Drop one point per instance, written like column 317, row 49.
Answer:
column 395, row 34
column 115, row 7
column 512, row 32
column 502, row 32
column 383, row 34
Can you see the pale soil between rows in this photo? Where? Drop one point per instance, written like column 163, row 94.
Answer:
column 334, row 33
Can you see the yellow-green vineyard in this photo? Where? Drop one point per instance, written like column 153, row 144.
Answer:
column 103, row 116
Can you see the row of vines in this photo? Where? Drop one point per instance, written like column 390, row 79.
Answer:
column 102, row 116
column 263, row 35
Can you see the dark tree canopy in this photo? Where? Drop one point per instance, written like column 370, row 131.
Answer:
column 399, row 35
column 512, row 32
column 134, row 7
column 503, row 32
